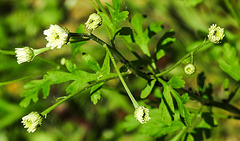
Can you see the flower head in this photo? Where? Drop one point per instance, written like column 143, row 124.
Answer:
column 142, row 114
column 189, row 69
column 31, row 121
column 216, row 34
column 25, row 54
column 94, row 21
column 56, row 36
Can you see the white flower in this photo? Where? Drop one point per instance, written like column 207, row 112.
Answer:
column 31, row 121
column 189, row 69
column 25, row 54
column 216, row 34
column 142, row 114
column 94, row 21
column 56, row 36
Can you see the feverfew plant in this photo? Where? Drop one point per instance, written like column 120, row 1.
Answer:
column 162, row 108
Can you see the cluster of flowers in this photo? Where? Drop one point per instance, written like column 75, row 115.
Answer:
column 58, row 36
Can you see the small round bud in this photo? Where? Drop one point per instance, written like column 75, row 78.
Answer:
column 31, row 121
column 142, row 114
column 94, row 21
column 56, row 36
column 25, row 54
column 189, row 69
column 215, row 34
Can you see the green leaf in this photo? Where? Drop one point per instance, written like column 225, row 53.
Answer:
column 56, row 77
column 115, row 13
column 226, row 86
column 147, row 90
column 165, row 41
column 90, row 62
column 168, row 97
column 182, row 109
column 140, row 36
column 176, row 82
column 165, row 113
column 82, row 78
column 105, row 70
column 107, row 22
column 155, row 127
column 184, row 98
column 96, row 93
column 95, row 97
column 229, row 62
column 32, row 90
column 70, row 66
column 130, row 123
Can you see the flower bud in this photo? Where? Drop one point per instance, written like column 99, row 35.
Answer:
column 94, row 21
column 142, row 114
column 25, row 54
column 31, row 121
column 216, row 34
column 189, row 69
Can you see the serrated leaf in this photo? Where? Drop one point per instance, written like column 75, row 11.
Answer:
column 90, row 62
column 56, row 77
column 140, row 36
column 96, row 93
column 115, row 13
column 81, row 79
column 32, row 90
column 165, row 41
column 165, row 115
column 229, row 63
column 155, row 127
column 182, row 109
column 156, row 27
column 176, row 82
column 168, row 97
column 95, row 97
column 147, row 90
column 184, row 98
column 70, row 65
column 105, row 70
column 30, row 95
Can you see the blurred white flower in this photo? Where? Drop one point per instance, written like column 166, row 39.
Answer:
column 56, row 36
column 215, row 34
column 142, row 114
column 94, row 21
column 25, row 54
column 189, row 69
column 31, row 121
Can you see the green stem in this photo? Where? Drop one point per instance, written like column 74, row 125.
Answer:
column 94, row 5
column 41, row 50
column 7, row 52
column 183, row 58
column 45, row 112
column 232, row 11
column 121, row 78
column 114, row 51
column 101, row 6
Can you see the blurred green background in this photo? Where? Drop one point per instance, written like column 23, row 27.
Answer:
column 22, row 23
